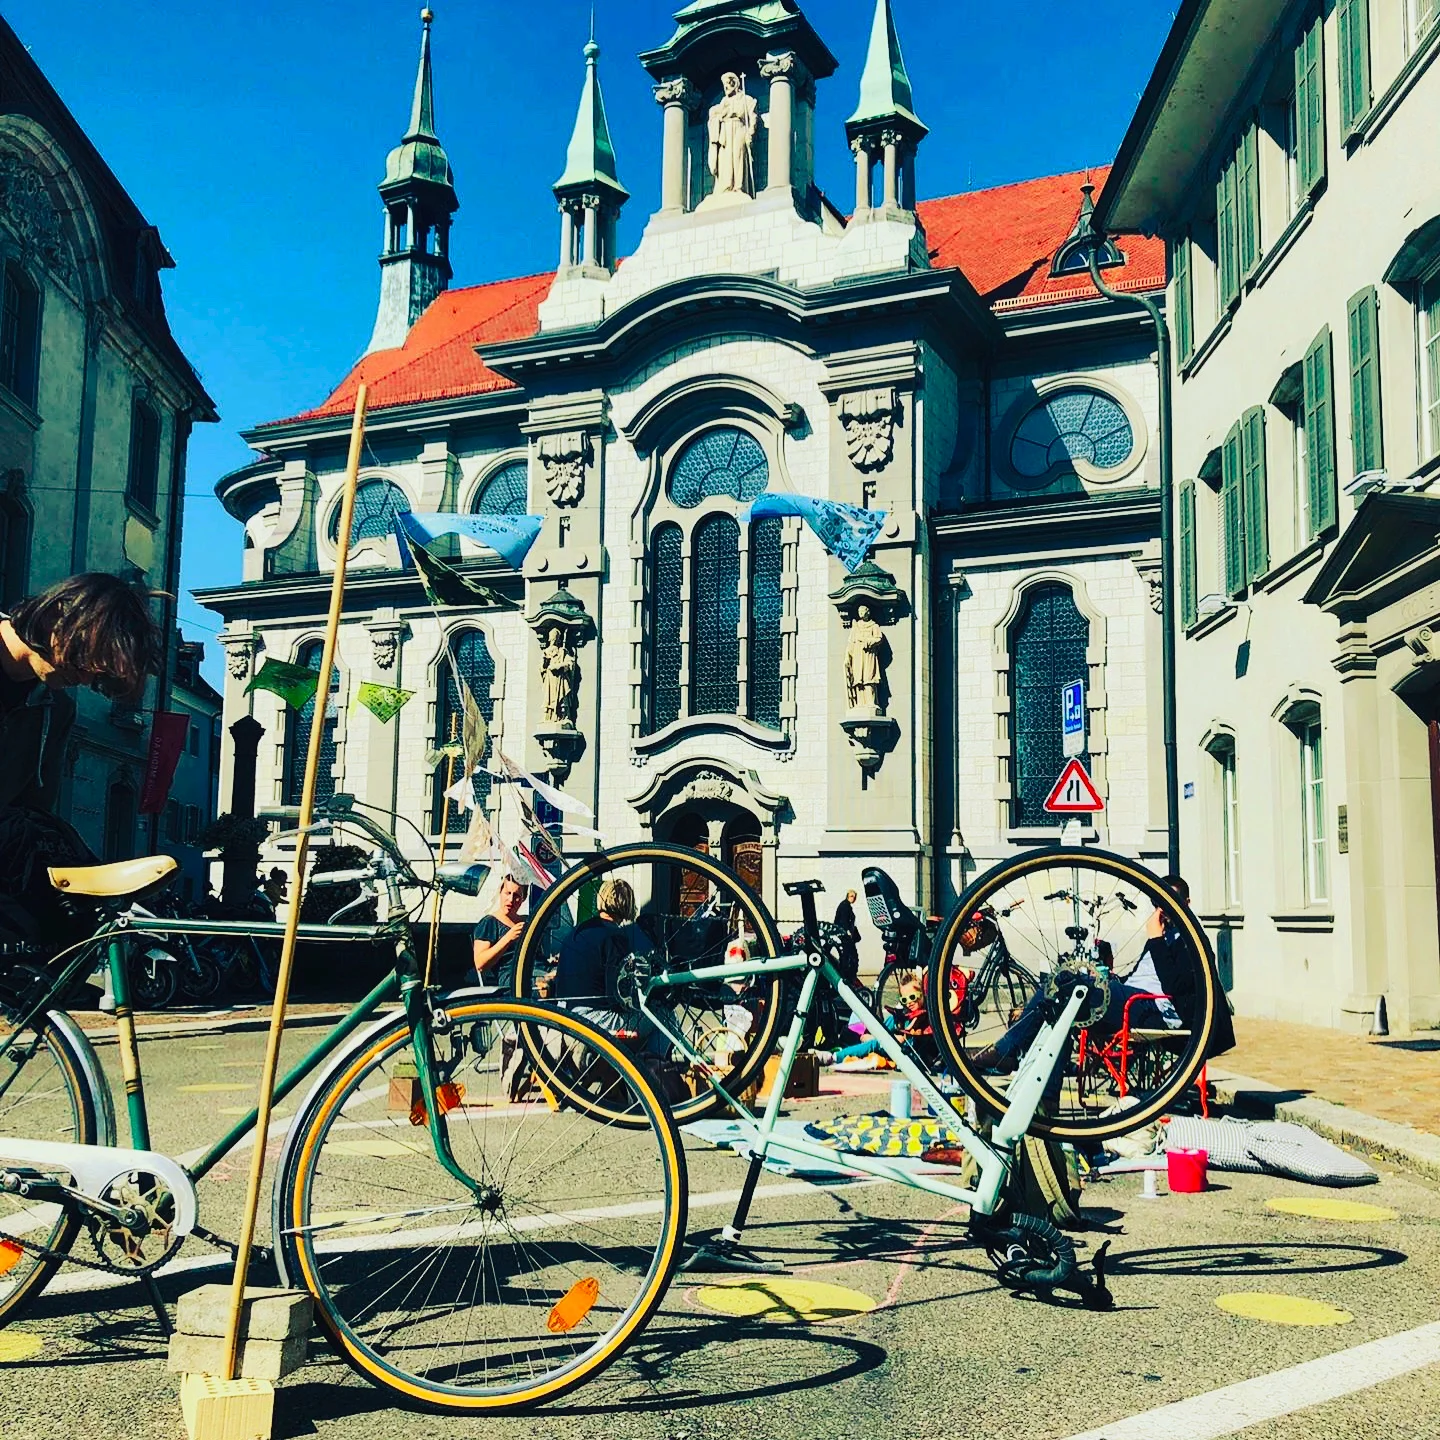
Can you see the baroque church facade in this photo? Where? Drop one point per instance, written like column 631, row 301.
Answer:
column 946, row 360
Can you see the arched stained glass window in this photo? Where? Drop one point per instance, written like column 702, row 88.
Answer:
column 297, row 736
column 1047, row 652
column 1071, row 425
column 765, row 614
column 721, row 462
column 667, row 574
column 715, row 619
column 506, row 492
column 377, row 503
column 470, row 657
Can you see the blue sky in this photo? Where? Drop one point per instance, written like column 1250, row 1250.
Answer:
column 254, row 135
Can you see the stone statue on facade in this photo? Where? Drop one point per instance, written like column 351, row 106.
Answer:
column 732, row 124
column 559, row 674
column 865, row 659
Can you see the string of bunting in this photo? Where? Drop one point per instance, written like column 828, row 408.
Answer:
column 294, row 684
column 384, row 702
column 846, row 531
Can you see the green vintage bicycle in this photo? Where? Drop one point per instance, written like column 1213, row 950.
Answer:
column 472, row 1243
column 696, row 984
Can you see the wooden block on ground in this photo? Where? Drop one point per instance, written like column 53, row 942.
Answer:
column 259, row 1359
column 804, row 1077
column 268, row 1314
column 227, row 1409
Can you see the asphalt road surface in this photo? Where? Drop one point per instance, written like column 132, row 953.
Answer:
column 887, row 1324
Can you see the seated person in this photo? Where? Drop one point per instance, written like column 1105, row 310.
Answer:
column 590, row 959
column 1162, row 971
column 908, row 1021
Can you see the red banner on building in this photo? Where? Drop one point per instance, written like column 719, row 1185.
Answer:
column 168, row 734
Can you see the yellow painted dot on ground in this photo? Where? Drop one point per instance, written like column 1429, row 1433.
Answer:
column 1321, row 1209
column 1282, row 1309
column 784, row 1300
column 214, row 1087
column 19, row 1345
column 375, row 1149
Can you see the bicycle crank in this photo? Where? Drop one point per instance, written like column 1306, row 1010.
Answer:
column 146, row 1238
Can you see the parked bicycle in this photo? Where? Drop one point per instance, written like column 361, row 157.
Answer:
column 696, row 980
column 465, row 1252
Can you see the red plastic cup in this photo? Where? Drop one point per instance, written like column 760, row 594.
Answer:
column 1185, row 1170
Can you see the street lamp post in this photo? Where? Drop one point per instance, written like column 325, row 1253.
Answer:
column 1167, row 549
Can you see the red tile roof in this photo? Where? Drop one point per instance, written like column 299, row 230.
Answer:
column 1003, row 239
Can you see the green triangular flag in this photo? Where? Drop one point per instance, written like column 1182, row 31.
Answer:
column 294, row 684
column 444, row 585
column 384, row 702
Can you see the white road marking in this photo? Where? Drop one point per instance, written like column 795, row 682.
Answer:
column 1267, row 1397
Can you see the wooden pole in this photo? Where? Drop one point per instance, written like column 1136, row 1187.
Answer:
column 297, row 875
column 444, row 835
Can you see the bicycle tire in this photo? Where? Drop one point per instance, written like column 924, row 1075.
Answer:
column 200, row 978
column 506, row 1264
column 1007, row 975
column 949, row 956
column 764, row 997
column 24, row 1279
column 153, row 989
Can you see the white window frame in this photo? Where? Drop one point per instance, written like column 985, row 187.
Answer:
column 1294, row 201
column 1314, row 859
column 1300, row 450
column 1231, row 871
column 1421, row 17
column 1427, row 320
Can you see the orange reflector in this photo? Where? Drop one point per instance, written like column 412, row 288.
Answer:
column 10, row 1256
column 418, row 1113
column 573, row 1306
column 450, row 1097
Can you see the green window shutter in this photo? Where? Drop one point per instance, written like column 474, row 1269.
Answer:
column 1366, row 442
column 1184, row 303
column 1189, row 598
column 1353, row 17
column 1310, row 107
column 1232, row 511
column 1254, row 499
column 1247, row 203
column 1320, row 433
column 1228, row 266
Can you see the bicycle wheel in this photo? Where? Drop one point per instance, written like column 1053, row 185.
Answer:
column 501, row 1293
column 199, row 977
column 1066, row 915
column 153, row 982
column 689, row 909
column 43, row 1096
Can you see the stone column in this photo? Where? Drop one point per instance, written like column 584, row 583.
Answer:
column 592, row 230
column 891, row 140
column 676, row 96
column 779, row 69
column 863, row 181
column 567, row 237
column 241, row 861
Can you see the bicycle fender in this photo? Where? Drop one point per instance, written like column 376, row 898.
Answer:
column 93, row 1072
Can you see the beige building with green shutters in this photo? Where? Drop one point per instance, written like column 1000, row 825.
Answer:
column 1288, row 154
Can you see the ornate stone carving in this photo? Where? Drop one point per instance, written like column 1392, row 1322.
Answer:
column 732, row 125
column 239, row 655
column 709, row 785
column 784, row 64
column 872, row 588
column 868, row 419
column 387, row 630
column 563, row 459
column 561, row 625
column 677, row 92
column 30, row 212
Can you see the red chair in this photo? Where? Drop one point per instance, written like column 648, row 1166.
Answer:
column 1127, row 1047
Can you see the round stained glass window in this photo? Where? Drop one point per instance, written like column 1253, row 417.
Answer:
column 506, row 492
column 723, row 462
column 377, row 503
column 1070, row 426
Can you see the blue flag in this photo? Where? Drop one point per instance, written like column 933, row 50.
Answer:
column 846, row 531
column 509, row 536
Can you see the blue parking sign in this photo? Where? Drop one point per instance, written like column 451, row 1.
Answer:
column 1072, row 717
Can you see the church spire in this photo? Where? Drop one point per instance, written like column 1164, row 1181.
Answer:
column 589, row 192
column 885, row 125
column 418, row 192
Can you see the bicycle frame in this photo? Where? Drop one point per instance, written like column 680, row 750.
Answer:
column 995, row 1157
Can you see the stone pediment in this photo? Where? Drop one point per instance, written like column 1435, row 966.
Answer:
column 1391, row 545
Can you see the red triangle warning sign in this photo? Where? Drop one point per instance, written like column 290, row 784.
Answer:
column 1074, row 793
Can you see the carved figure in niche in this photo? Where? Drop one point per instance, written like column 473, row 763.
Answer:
column 559, row 675
column 865, row 660
column 733, row 122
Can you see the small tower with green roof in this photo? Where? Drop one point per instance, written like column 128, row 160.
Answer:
column 884, row 130
column 589, row 193
column 418, row 192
